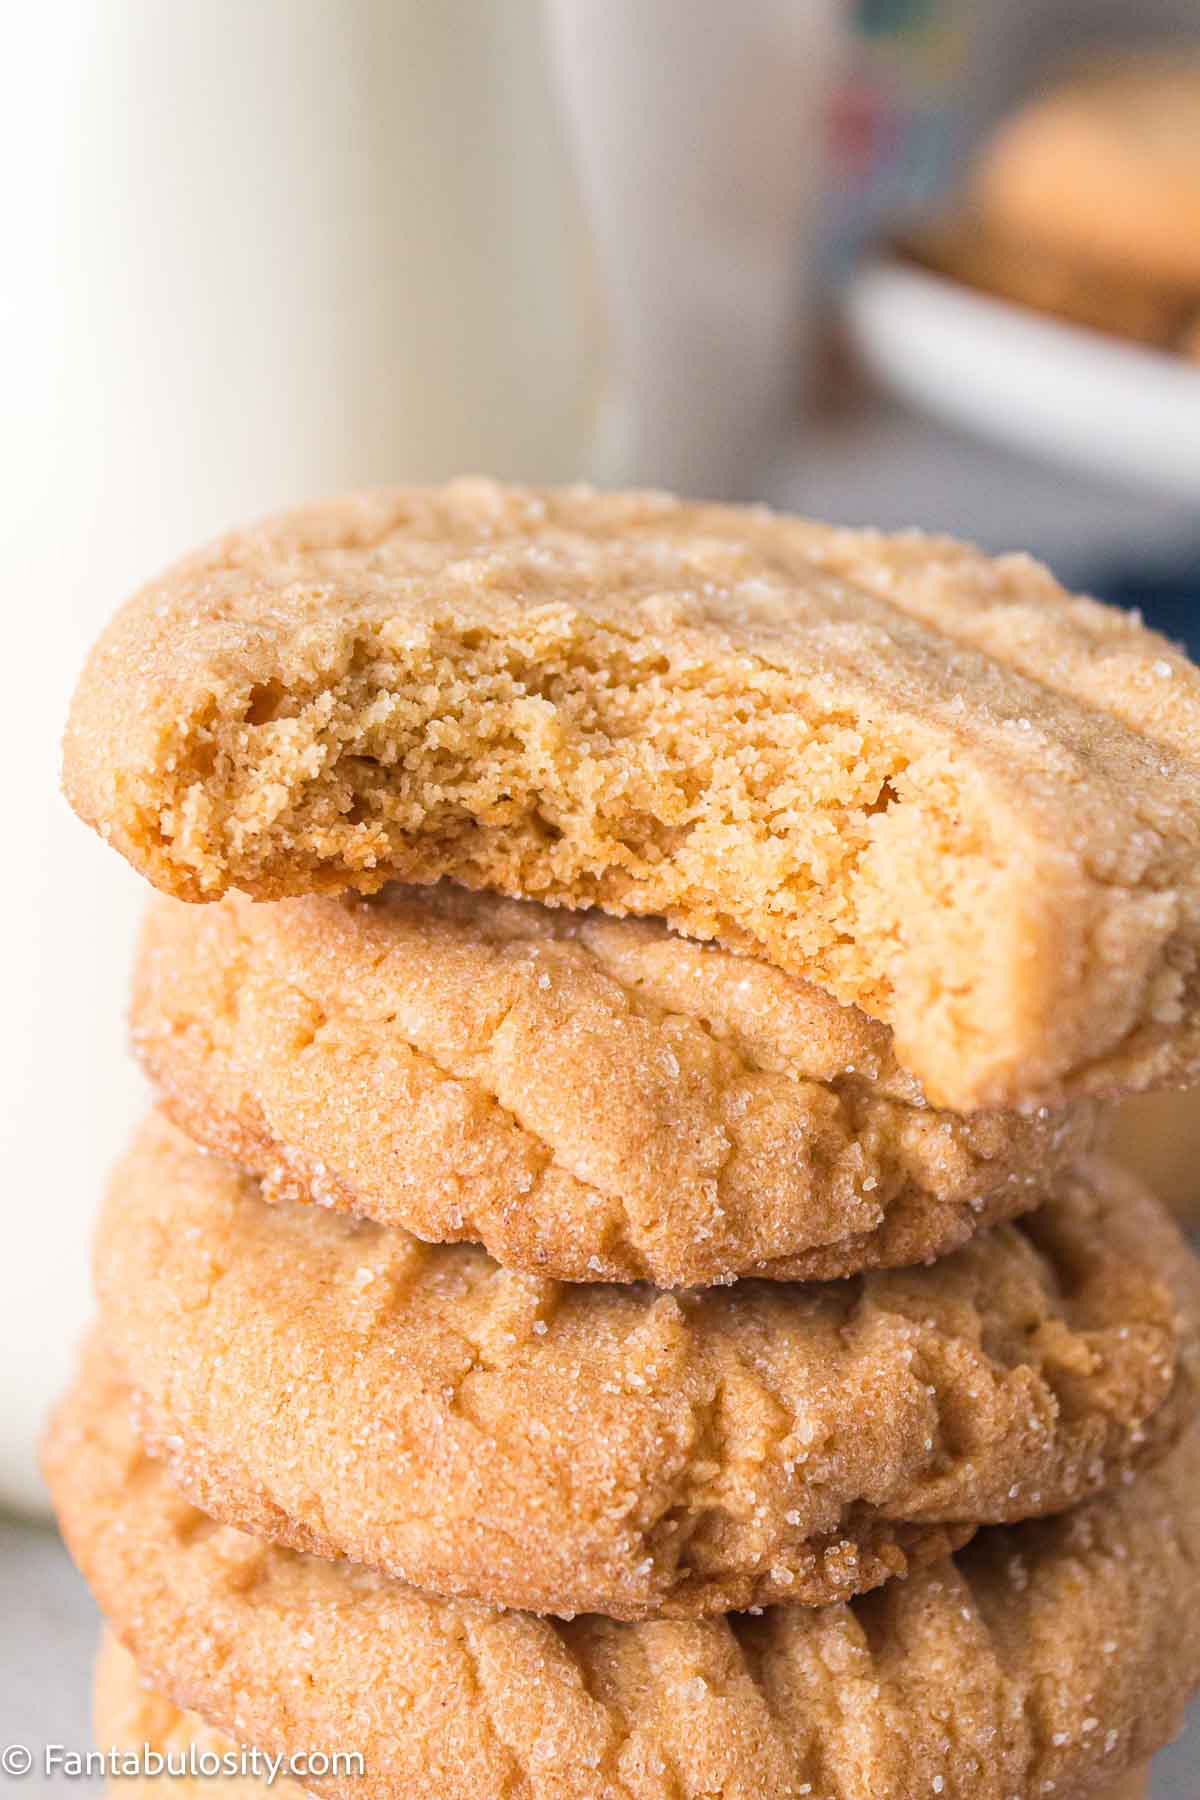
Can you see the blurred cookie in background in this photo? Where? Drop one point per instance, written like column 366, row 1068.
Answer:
column 1105, row 170
column 1158, row 1137
column 971, row 249
column 1085, row 204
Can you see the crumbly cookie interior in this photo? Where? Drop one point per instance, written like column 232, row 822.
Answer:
column 575, row 767
column 936, row 784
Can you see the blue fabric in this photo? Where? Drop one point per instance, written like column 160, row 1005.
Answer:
column 1167, row 597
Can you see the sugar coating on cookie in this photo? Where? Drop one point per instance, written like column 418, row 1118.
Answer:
column 346, row 1389
column 984, row 253
column 129, row 1715
column 1046, row 1659
column 590, row 1098
column 933, row 782
column 1104, row 169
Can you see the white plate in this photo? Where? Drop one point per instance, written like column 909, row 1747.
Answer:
column 1040, row 385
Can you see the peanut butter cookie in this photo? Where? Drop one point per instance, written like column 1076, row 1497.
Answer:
column 591, row 1098
column 130, row 1715
column 131, row 1718
column 1105, row 168
column 1049, row 1659
column 347, row 1389
column 934, row 783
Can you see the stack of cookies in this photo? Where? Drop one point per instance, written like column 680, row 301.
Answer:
column 623, row 1298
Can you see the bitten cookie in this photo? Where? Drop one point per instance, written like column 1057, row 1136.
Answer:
column 346, row 1389
column 1046, row 1659
column 591, row 1098
column 130, row 1715
column 934, row 783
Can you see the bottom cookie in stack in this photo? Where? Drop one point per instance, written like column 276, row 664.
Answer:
column 132, row 1719
column 1047, row 1659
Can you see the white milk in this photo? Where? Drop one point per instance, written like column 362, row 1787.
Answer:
column 256, row 250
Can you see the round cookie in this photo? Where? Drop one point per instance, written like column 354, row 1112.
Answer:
column 590, row 1098
column 1105, row 169
column 931, row 781
column 968, row 249
column 1047, row 1659
column 342, row 1387
column 130, row 1715
column 129, row 1718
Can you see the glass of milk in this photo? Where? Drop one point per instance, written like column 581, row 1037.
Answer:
column 265, row 249
column 256, row 250
column 699, row 132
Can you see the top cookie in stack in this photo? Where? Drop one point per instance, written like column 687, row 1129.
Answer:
column 748, row 1253
column 937, row 785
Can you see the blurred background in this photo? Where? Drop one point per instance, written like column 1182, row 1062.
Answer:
column 891, row 262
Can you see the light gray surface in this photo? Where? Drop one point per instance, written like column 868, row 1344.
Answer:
column 49, row 1627
column 48, row 1631
column 889, row 467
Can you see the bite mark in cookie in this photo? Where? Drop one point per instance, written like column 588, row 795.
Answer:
column 934, row 783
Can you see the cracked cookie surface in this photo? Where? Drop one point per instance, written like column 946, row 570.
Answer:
column 130, row 1715
column 1049, row 1658
column 933, row 782
column 344, row 1388
column 590, row 1098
